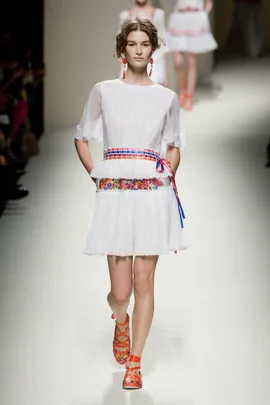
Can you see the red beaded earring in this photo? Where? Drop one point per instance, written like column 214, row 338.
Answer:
column 124, row 61
column 151, row 70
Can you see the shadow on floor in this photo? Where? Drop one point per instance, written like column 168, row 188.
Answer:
column 207, row 90
column 115, row 395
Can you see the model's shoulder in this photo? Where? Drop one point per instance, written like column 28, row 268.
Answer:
column 159, row 13
column 108, row 82
column 99, row 86
column 166, row 91
column 123, row 15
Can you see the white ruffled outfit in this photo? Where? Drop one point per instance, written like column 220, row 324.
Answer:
column 189, row 28
column 133, row 222
column 158, row 19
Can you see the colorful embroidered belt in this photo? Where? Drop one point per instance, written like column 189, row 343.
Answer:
column 188, row 10
column 130, row 184
column 126, row 153
column 146, row 154
column 188, row 32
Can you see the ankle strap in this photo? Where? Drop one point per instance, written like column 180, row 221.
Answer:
column 121, row 324
column 134, row 359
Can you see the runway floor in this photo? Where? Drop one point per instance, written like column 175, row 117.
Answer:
column 209, row 343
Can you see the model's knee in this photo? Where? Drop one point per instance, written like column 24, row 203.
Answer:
column 192, row 61
column 143, row 282
column 178, row 61
column 179, row 65
column 121, row 297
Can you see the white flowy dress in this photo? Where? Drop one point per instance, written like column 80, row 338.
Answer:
column 133, row 222
column 189, row 28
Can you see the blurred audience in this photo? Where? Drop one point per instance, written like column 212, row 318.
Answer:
column 20, row 77
column 250, row 19
column 268, row 154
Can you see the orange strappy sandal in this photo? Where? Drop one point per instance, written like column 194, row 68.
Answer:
column 188, row 102
column 133, row 376
column 121, row 356
column 182, row 98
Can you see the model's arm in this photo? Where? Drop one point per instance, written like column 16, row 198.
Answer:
column 176, row 7
column 84, row 154
column 90, row 127
column 208, row 6
column 166, row 75
column 173, row 133
column 162, row 32
column 174, row 157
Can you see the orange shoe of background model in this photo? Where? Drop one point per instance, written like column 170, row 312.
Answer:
column 182, row 98
column 188, row 102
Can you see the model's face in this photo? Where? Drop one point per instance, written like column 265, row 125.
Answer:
column 138, row 49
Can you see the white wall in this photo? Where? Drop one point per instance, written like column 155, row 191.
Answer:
column 79, row 43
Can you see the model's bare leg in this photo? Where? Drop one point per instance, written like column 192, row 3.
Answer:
column 144, row 272
column 179, row 64
column 120, row 269
column 191, row 79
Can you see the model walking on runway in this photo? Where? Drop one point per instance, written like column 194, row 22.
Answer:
column 189, row 34
column 138, row 215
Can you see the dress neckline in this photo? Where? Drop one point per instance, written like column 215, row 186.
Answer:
column 136, row 85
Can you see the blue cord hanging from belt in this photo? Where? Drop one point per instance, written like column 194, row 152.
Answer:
column 161, row 164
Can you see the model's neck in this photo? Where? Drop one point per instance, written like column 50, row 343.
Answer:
column 141, row 5
column 138, row 76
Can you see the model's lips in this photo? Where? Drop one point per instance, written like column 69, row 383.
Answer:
column 139, row 58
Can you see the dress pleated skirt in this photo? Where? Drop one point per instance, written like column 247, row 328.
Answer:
column 190, row 32
column 136, row 222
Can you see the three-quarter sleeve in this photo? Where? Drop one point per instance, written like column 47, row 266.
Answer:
column 91, row 124
column 173, row 130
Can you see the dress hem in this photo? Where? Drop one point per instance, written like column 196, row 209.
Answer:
column 136, row 253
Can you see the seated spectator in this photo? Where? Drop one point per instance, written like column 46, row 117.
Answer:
column 250, row 17
column 19, row 81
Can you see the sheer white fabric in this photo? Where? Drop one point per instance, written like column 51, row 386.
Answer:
column 129, row 116
column 141, row 222
column 190, row 31
column 127, row 223
column 182, row 4
column 91, row 124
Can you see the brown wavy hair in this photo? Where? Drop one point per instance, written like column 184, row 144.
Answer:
column 136, row 24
